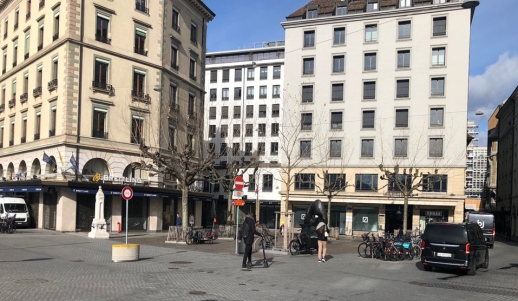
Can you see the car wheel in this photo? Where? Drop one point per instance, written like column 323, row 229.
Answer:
column 472, row 267
column 485, row 265
column 427, row 268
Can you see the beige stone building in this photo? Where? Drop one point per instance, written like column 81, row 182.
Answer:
column 378, row 82
column 90, row 80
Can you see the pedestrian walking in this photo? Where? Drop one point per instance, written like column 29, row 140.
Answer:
column 322, row 232
column 247, row 235
column 508, row 233
column 178, row 220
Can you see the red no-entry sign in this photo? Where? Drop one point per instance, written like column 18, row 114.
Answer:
column 127, row 193
column 239, row 182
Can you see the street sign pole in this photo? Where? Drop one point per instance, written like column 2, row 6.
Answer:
column 235, row 217
column 127, row 194
column 126, row 221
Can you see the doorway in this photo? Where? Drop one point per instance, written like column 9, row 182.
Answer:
column 50, row 204
column 137, row 214
column 394, row 218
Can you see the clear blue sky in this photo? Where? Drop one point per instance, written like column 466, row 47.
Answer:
column 494, row 43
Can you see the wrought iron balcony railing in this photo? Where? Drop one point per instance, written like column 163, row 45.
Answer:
column 36, row 91
column 140, row 96
column 102, row 87
column 24, row 97
column 53, row 84
column 99, row 134
column 52, row 133
column 103, row 39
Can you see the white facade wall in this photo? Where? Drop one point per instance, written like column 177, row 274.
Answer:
column 476, row 171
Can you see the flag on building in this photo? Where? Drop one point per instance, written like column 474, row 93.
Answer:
column 47, row 159
column 74, row 163
column 61, row 158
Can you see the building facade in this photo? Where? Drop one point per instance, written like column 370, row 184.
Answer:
column 380, row 82
column 476, row 167
column 490, row 196
column 105, row 78
column 243, row 117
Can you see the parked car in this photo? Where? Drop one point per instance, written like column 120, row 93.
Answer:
column 15, row 205
column 454, row 246
column 486, row 221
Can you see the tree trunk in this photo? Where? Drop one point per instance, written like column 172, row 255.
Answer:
column 185, row 203
column 257, row 207
column 329, row 199
column 286, row 224
column 405, row 213
column 230, row 208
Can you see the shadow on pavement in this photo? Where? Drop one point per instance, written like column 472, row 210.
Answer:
column 28, row 260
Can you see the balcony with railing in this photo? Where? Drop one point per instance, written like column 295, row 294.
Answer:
column 23, row 139
column 99, row 134
column 37, row 136
column 103, row 39
column 53, row 84
column 56, row 36
column 25, row 56
column 141, row 7
column 42, row 4
column 12, row 103
column 102, row 87
column 40, row 46
column 24, row 97
column 52, row 133
column 174, row 107
column 140, row 51
column 140, row 96
column 11, row 142
column 37, row 91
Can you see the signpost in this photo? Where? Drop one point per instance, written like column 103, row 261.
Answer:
column 239, row 183
column 127, row 194
column 238, row 203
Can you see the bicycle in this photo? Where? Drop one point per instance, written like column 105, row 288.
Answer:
column 196, row 237
column 8, row 225
column 268, row 241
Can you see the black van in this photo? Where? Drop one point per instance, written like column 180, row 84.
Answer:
column 454, row 246
column 486, row 221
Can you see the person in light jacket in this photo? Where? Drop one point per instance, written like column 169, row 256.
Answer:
column 322, row 232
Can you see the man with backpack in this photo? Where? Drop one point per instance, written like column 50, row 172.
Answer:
column 247, row 235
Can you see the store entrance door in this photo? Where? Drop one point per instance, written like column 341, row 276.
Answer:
column 394, row 218
column 137, row 214
column 50, row 202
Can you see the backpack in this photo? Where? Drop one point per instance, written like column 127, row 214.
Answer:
column 245, row 230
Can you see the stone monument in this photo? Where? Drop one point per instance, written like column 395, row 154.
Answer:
column 99, row 223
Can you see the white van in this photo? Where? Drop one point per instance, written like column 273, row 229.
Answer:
column 15, row 205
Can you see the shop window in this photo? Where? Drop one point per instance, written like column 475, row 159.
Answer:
column 365, row 219
column 366, row 182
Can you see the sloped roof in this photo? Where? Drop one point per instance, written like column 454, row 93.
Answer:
column 324, row 7
column 355, row 5
column 388, row 2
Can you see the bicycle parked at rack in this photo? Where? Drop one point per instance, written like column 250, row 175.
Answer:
column 7, row 224
column 390, row 248
column 199, row 236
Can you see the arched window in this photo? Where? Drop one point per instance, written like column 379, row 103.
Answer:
column 135, row 172
column 36, row 167
column 96, row 166
column 1, row 171
column 22, row 167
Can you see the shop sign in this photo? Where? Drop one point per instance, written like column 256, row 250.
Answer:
column 365, row 219
column 98, row 177
column 433, row 213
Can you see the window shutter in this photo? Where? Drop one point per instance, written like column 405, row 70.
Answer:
column 369, row 90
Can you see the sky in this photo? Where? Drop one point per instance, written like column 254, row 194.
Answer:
column 494, row 44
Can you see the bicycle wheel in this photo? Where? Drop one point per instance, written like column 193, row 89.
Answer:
column 257, row 245
column 417, row 252
column 294, row 247
column 368, row 251
column 189, row 238
column 361, row 249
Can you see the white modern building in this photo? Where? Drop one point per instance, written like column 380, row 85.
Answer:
column 380, row 82
column 476, row 169
column 242, row 117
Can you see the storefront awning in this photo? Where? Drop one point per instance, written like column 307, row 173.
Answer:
column 20, row 189
column 139, row 194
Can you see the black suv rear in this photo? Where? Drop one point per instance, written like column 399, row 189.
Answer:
column 486, row 221
column 454, row 246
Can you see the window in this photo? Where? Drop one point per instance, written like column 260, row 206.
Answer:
column 99, row 129
column 226, row 75
column 140, row 41
column 174, row 56
column 224, row 131
column 3, row 95
column 436, row 116
column 262, row 111
column 213, row 94
column 306, row 121
column 248, row 149
column 366, row 182
column 263, row 92
column 309, row 65
column 403, row 59
column 339, row 36
column 263, row 73
column 212, row 113
column 55, row 68
column 24, row 130
column 249, row 131
column 171, row 138
column 369, row 90
column 336, row 149
column 53, row 120
column 368, row 120
column 336, row 120
column 312, row 13
column 404, row 180
column 139, row 79
column 305, row 181
column 15, row 53
column 276, row 72
column 223, row 149
column 237, row 75
column 237, row 111
column 262, row 129
column 236, row 130
column 37, row 129
column 276, row 91
column 275, row 129
column 224, row 94
column 337, row 92
column 267, row 183
column 56, row 26
column 41, row 34
column 214, row 76
column 439, row 26
column 101, row 73
column 237, row 93
column 341, row 10
column 192, row 68
column 250, row 73
column 439, row 1
column 438, row 86
column 435, row 183
column 141, row 6
column 249, row 92
column 403, row 87
column 16, row 18
column 402, row 118
column 400, row 147
column 249, row 111
column 305, row 149
column 25, row 83
column 404, row 29
column 370, row 61
column 176, row 19
column 405, row 3
column 235, row 149
column 367, row 148
column 14, row 90
column 4, row 63
column 372, row 7
column 194, row 33
column 436, row 147
column 438, row 55
column 371, row 33
column 224, row 112
column 309, row 38
column 275, row 110
column 261, row 148
column 338, row 63
column 137, row 129
column 274, row 148
column 27, row 44
column 190, row 105
column 101, row 33
column 307, row 93
column 335, row 182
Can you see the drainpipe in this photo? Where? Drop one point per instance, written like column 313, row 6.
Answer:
column 80, row 84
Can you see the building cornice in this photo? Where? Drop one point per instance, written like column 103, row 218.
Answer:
column 367, row 16
column 202, row 8
column 245, row 50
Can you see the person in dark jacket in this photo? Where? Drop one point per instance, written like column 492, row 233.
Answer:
column 178, row 219
column 248, row 240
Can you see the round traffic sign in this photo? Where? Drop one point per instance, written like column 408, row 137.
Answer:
column 239, row 182
column 127, row 193
column 191, row 219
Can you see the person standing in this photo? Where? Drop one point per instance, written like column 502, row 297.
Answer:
column 322, row 232
column 247, row 235
column 178, row 220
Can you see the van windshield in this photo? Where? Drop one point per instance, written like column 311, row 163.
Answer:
column 445, row 234
column 15, row 208
column 485, row 221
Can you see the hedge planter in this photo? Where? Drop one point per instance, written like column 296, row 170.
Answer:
column 123, row 253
